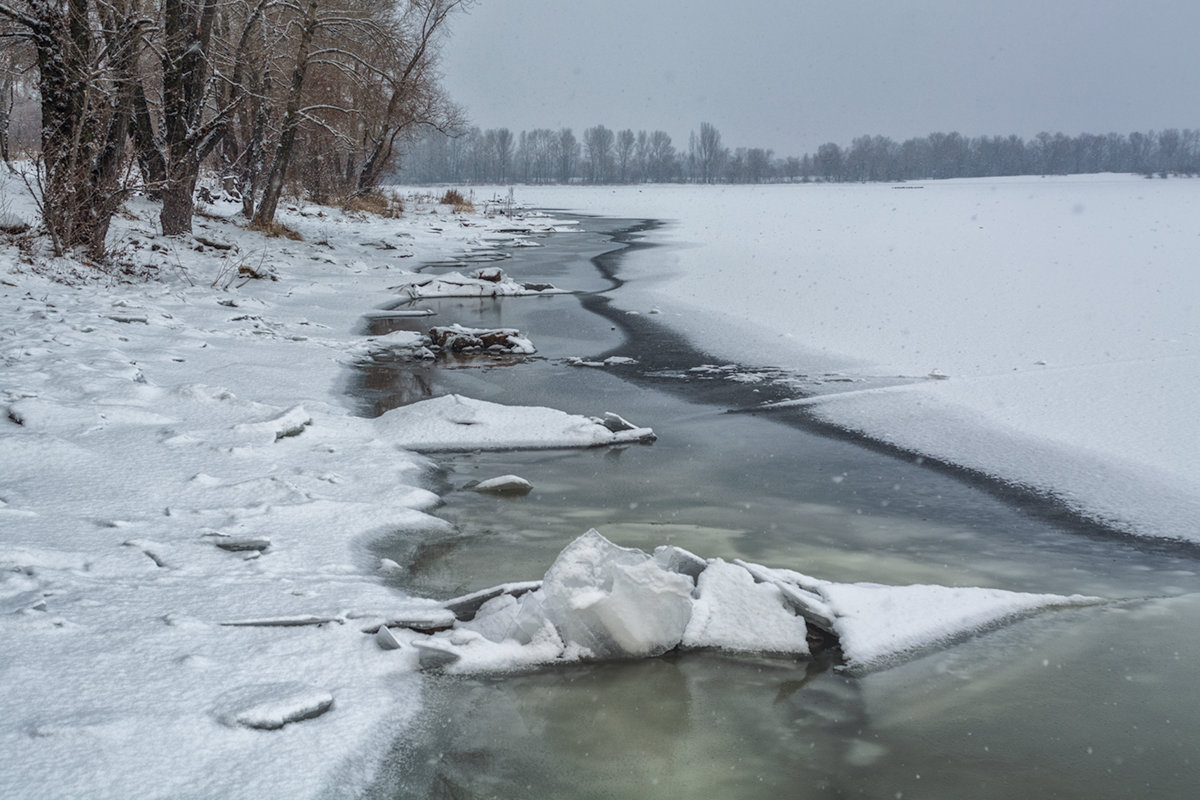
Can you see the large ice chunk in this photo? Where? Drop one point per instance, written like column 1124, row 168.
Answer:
column 733, row 612
column 599, row 600
column 509, row 617
column 608, row 601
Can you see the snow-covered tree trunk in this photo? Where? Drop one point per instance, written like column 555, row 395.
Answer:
column 86, row 54
column 265, row 214
column 188, row 26
column 6, row 106
column 146, row 144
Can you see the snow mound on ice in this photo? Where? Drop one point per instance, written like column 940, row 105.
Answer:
column 878, row 625
column 490, row 282
column 454, row 422
column 504, row 484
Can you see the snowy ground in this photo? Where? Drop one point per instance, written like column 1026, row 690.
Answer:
column 179, row 454
column 1051, row 326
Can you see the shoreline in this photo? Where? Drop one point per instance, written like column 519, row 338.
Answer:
column 188, row 501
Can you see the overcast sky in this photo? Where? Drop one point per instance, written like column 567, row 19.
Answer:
column 792, row 74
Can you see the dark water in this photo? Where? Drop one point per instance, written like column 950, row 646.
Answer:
column 1076, row 704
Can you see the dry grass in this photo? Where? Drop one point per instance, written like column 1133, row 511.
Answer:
column 455, row 199
column 277, row 230
column 374, row 202
column 13, row 226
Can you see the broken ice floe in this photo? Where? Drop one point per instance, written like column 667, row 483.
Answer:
column 454, row 422
column 611, row 361
column 484, row 282
column 282, row 426
column 602, row 601
column 395, row 313
column 294, row 621
column 270, row 706
column 443, row 340
column 239, row 544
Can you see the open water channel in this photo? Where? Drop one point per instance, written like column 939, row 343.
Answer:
column 1096, row 702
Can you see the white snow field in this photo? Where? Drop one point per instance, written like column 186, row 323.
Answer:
column 1048, row 328
column 187, row 498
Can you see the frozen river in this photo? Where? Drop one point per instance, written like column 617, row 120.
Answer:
column 1081, row 703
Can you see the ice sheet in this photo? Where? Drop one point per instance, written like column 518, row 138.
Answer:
column 1058, row 314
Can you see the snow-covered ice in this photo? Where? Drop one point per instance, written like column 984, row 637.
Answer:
column 486, row 282
column 454, row 422
column 457, row 338
column 733, row 612
column 1046, row 329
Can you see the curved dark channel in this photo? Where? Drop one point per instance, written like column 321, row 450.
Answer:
column 1069, row 704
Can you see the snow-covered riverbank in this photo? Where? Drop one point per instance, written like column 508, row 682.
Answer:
column 1046, row 327
column 178, row 455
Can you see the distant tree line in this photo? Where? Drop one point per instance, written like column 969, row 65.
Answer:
column 603, row 156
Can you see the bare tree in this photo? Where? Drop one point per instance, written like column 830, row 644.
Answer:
column 503, row 144
column 598, row 146
column 408, row 84
column 709, row 153
column 86, row 53
column 661, row 156
column 625, row 142
column 568, row 155
column 187, row 27
column 308, row 22
column 362, row 80
column 15, row 59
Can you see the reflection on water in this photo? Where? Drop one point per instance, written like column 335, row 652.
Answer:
column 653, row 728
column 1085, row 703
